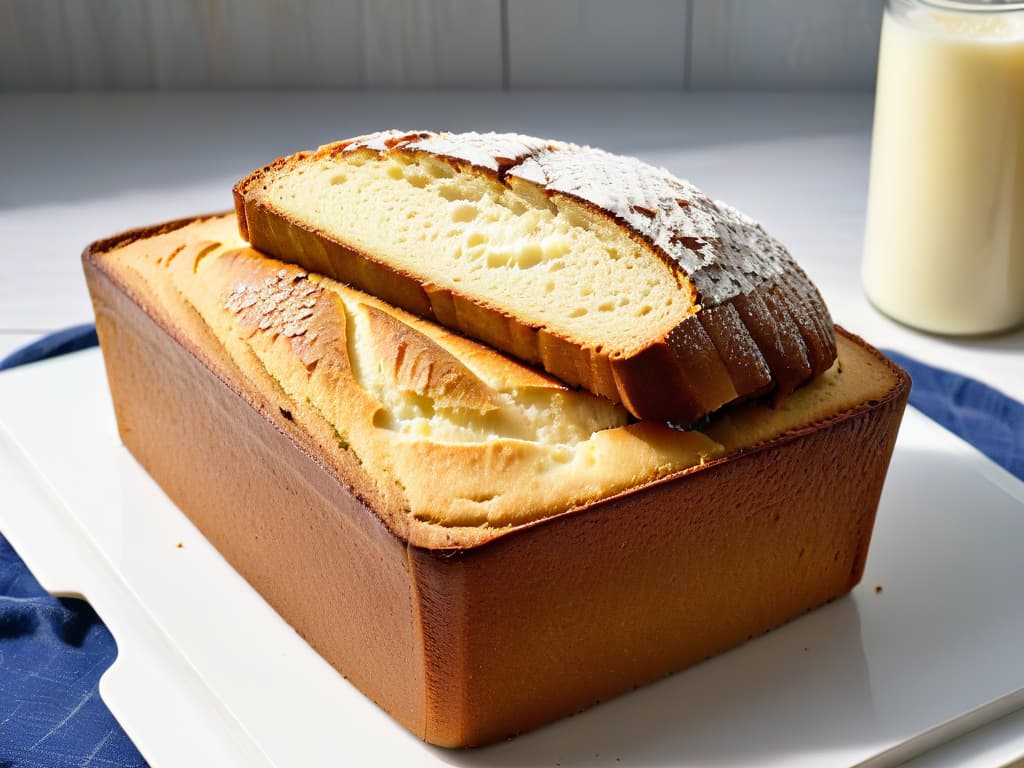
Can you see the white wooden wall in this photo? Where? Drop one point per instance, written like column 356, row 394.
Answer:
column 72, row 44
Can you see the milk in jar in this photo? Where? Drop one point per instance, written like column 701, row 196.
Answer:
column 944, row 242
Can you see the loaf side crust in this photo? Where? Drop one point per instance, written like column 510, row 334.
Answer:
column 652, row 583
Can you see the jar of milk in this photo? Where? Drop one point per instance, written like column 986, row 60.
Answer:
column 944, row 245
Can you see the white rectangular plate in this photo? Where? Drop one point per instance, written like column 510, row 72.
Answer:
column 208, row 673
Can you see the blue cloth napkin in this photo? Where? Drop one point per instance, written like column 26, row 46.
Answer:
column 984, row 417
column 52, row 652
column 59, row 343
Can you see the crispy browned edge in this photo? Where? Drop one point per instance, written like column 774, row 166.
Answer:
column 464, row 645
column 680, row 377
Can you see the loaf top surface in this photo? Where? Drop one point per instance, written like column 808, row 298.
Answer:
column 610, row 273
column 446, row 440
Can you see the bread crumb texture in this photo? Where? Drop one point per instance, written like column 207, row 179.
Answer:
column 447, row 430
column 609, row 242
column 476, row 235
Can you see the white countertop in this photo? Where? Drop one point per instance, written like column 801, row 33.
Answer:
column 77, row 167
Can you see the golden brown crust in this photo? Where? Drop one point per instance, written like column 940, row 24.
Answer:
column 413, row 363
column 785, row 338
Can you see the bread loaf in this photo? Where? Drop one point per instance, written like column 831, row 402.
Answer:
column 475, row 567
column 609, row 273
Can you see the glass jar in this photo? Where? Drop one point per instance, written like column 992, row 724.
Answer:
column 944, row 243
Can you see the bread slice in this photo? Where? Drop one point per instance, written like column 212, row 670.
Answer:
column 609, row 273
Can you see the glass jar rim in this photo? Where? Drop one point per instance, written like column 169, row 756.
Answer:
column 965, row 6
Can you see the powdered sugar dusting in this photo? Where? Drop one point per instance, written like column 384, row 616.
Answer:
column 671, row 214
column 723, row 251
column 492, row 151
column 531, row 170
column 488, row 151
column 379, row 141
column 282, row 303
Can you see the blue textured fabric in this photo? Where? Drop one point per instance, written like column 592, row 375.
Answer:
column 984, row 417
column 60, row 343
column 53, row 651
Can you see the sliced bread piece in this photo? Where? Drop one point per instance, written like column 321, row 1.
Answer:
column 609, row 273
